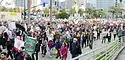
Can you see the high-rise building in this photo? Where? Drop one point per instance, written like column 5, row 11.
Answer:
column 19, row 3
column 105, row 4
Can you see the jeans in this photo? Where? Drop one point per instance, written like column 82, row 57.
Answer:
column 9, row 54
column 43, row 50
column 36, row 56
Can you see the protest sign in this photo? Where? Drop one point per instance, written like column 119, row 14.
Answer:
column 11, row 25
column 30, row 44
column 18, row 43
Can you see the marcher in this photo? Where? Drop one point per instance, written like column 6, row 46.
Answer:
column 9, row 49
column 75, row 49
column 57, row 47
column 63, row 51
column 37, row 50
column 43, row 47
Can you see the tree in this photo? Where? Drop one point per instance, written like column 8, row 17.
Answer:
column 10, row 10
column 4, row 9
column 89, row 12
column 115, row 11
column 46, row 12
column 72, row 11
column 62, row 15
column 80, row 11
column 99, row 13
column 54, row 12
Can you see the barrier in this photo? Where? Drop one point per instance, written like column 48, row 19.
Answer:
column 107, row 52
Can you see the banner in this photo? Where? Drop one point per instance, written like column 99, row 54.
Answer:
column 13, row 14
column 30, row 44
column 18, row 43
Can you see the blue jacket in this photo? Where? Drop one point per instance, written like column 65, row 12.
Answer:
column 123, row 33
column 58, row 45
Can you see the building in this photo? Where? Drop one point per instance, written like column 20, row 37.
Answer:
column 19, row 3
column 105, row 4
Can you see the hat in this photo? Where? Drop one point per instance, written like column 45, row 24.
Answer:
column 75, row 39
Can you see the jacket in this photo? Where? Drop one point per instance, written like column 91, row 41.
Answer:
column 37, row 47
column 123, row 33
column 63, row 51
column 76, row 49
column 58, row 45
column 9, row 45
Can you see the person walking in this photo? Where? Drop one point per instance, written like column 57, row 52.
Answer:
column 119, row 34
column 75, row 49
column 9, row 49
column 114, row 33
column 63, row 51
column 37, row 50
column 43, row 47
column 98, row 33
column 57, row 47
column 83, row 38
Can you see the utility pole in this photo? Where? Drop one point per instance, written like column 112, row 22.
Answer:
column 24, row 13
column 116, row 5
column 29, row 7
column 50, row 10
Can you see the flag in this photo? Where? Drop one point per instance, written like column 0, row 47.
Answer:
column 18, row 43
column 30, row 44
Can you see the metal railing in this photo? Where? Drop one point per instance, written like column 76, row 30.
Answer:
column 107, row 52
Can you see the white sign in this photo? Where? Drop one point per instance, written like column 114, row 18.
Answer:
column 11, row 25
column 18, row 43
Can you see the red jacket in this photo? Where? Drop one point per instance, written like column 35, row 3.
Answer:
column 64, row 51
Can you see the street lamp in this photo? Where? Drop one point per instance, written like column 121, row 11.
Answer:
column 50, row 10
column 24, row 14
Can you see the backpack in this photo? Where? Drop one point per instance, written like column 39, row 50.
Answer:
column 51, row 44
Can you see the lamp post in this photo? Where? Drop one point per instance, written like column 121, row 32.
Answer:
column 24, row 10
column 29, row 7
column 116, row 5
column 50, row 10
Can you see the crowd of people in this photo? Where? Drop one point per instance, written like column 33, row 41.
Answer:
column 57, row 38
